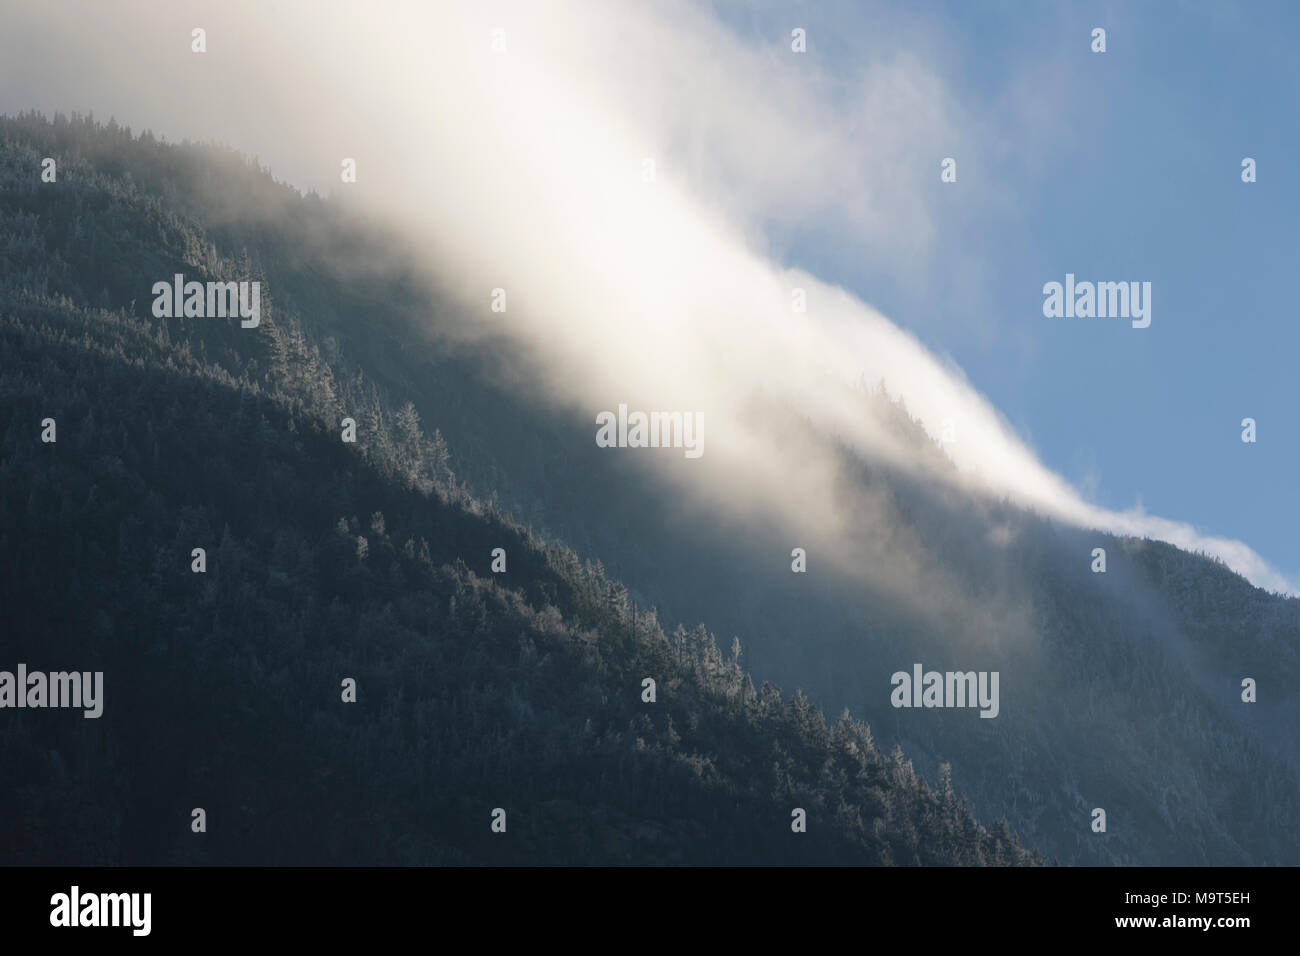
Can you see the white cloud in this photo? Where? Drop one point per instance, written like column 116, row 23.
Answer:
column 523, row 171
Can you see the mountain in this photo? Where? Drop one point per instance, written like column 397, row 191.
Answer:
column 1120, row 691
column 305, row 637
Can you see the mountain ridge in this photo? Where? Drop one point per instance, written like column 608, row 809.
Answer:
column 1120, row 690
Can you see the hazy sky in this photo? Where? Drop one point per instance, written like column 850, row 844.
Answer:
column 523, row 168
column 1117, row 165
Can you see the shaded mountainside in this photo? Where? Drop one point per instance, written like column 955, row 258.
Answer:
column 1119, row 690
column 327, row 561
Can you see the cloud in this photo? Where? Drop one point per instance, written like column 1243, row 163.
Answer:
column 525, row 170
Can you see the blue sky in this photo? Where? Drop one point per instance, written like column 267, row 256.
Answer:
column 1133, row 173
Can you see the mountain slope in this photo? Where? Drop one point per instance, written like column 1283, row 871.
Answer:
column 326, row 561
column 1119, row 690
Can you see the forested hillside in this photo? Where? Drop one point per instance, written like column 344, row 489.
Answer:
column 1120, row 691
column 325, row 560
